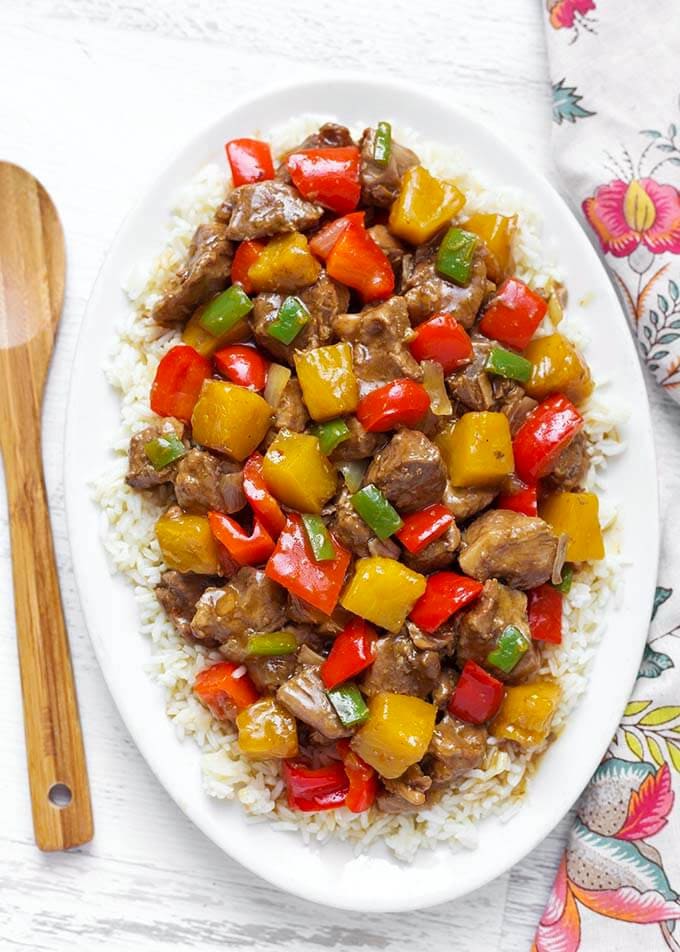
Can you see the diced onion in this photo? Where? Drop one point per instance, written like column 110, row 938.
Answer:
column 239, row 672
column 353, row 474
column 277, row 378
column 433, row 381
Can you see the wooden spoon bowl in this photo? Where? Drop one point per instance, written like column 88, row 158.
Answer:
column 32, row 270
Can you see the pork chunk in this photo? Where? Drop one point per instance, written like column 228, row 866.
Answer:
column 206, row 273
column 409, row 471
column 141, row 473
column 291, row 413
column 437, row 555
column 266, row 208
column 348, row 526
column 205, row 482
column 401, row 668
column 304, row 695
column 571, row 466
column 392, row 247
column 178, row 593
column 426, row 292
column 249, row 603
column 407, row 793
column 381, row 184
column 481, row 625
column 466, row 501
column 324, row 300
column 512, row 400
column 378, row 335
column 360, row 444
column 471, row 385
column 518, row 549
column 456, row 748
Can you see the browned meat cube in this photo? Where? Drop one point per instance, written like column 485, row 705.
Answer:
column 178, row 593
column 512, row 400
column 571, row 466
column 407, row 793
column 456, row 748
column 205, row 482
column 401, row 668
column 141, row 473
column 306, row 614
column 518, row 549
column 381, row 184
column 378, row 336
column 206, row 273
column 324, row 300
column 291, row 413
column 437, row 555
column 360, row 444
column 348, row 526
column 266, row 208
column 481, row 625
column 409, row 471
column 471, row 385
column 465, row 502
column 249, row 603
column 305, row 696
column 426, row 292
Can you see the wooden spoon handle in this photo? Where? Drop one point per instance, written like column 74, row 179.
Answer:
column 54, row 743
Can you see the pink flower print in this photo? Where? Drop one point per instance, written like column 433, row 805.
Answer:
column 627, row 214
column 564, row 12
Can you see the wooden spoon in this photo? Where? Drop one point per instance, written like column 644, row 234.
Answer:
column 32, row 268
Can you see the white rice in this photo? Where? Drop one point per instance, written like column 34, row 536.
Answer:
column 128, row 533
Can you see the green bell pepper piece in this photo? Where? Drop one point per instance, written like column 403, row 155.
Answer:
column 454, row 258
column 271, row 643
column 382, row 143
column 330, row 435
column 320, row 541
column 564, row 584
column 376, row 511
column 225, row 311
column 163, row 450
column 506, row 363
column 292, row 317
column 349, row 704
column 512, row 644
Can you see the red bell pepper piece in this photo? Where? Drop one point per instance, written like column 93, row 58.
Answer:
column 363, row 779
column 477, row 695
column 250, row 161
column 402, row 402
column 442, row 338
column 242, row 365
column 324, row 788
column 263, row 504
column 253, row 549
column 293, row 566
column 327, row 176
column 352, row 651
column 545, row 614
column 524, row 500
column 178, row 382
column 543, row 436
column 245, row 257
column 424, row 527
column 514, row 314
column 220, row 691
column 357, row 261
column 321, row 244
column 446, row 593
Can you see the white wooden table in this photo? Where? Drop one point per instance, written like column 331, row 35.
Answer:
column 95, row 95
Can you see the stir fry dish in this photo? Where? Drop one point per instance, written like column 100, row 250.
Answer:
column 377, row 470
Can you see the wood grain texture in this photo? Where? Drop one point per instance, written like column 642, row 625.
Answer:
column 128, row 82
column 32, row 271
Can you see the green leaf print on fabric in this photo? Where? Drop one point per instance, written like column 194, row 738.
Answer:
column 566, row 106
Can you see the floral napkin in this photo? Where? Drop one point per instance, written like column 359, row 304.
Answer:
column 616, row 107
